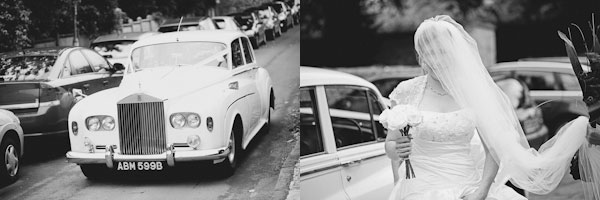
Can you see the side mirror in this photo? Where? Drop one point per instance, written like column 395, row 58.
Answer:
column 118, row 66
column 78, row 94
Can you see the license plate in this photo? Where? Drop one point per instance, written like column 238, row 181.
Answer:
column 140, row 166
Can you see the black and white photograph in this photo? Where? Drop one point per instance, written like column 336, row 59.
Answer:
column 450, row 99
column 149, row 99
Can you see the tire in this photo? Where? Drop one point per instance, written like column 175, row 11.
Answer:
column 229, row 165
column 271, row 34
column 271, row 108
column 94, row 171
column 265, row 38
column 285, row 26
column 9, row 170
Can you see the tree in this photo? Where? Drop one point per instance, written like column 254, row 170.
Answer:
column 14, row 25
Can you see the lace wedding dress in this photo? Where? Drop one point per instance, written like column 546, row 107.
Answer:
column 447, row 155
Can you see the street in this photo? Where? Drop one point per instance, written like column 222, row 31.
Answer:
column 264, row 172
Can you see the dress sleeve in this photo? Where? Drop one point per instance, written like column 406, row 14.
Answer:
column 407, row 92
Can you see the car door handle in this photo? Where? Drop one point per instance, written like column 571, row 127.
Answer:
column 104, row 83
column 352, row 163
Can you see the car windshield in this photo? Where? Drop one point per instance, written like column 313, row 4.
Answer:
column 177, row 54
column 113, row 49
column 25, row 68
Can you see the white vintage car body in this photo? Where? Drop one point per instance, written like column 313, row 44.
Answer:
column 233, row 99
column 333, row 165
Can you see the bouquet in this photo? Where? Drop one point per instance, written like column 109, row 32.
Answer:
column 402, row 118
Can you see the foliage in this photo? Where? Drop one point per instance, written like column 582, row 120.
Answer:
column 166, row 8
column 51, row 18
column 14, row 25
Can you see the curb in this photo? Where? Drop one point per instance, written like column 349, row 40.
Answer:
column 287, row 183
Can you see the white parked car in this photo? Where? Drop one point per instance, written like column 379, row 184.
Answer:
column 11, row 146
column 185, row 96
column 342, row 152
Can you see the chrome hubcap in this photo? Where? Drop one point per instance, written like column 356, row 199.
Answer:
column 231, row 155
column 11, row 160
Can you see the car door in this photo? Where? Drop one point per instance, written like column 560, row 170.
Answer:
column 366, row 171
column 245, row 79
column 101, row 66
column 78, row 74
column 320, row 170
column 260, row 76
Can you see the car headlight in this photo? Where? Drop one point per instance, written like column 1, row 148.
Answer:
column 100, row 123
column 108, row 123
column 193, row 141
column 193, row 120
column 185, row 119
column 92, row 123
column 177, row 120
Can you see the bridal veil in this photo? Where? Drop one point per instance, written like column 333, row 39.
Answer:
column 451, row 54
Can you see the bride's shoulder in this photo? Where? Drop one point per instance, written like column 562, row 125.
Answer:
column 407, row 87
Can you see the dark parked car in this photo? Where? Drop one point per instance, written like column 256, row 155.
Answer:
column 41, row 85
column 188, row 24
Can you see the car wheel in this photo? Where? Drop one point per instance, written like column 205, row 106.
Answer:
column 229, row 165
column 94, row 171
column 265, row 129
column 270, row 34
column 10, row 156
column 265, row 38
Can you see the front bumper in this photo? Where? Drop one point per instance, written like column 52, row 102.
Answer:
column 171, row 156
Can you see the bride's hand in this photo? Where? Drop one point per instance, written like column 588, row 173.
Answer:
column 403, row 147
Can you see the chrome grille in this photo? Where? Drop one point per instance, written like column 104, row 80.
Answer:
column 142, row 128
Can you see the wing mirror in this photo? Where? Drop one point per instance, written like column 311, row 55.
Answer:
column 78, row 94
column 118, row 66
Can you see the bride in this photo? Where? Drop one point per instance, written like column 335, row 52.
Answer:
column 470, row 142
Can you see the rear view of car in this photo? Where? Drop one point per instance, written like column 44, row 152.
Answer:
column 188, row 24
column 115, row 47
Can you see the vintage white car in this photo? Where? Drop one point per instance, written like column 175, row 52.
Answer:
column 11, row 146
column 342, row 152
column 185, row 96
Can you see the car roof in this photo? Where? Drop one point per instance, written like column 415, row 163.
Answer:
column 222, row 36
column 535, row 66
column 54, row 51
column 312, row 76
column 562, row 59
column 123, row 36
column 185, row 21
column 397, row 72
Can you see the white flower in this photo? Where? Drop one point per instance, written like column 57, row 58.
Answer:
column 400, row 116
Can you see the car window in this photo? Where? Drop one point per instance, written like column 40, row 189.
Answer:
column 386, row 86
column 236, row 53
column 351, row 117
column 98, row 62
column 311, row 140
column 538, row 80
column 247, row 51
column 376, row 109
column 79, row 65
column 569, row 82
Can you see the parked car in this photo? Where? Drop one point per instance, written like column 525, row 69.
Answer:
column 41, row 85
column 295, row 8
column 187, row 96
column 553, row 86
column 188, row 24
column 270, row 19
column 342, row 152
column 227, row 23
column 284, row 14
column 252, row 26
column 529, row 114
column 115, row 47
column 11, row 146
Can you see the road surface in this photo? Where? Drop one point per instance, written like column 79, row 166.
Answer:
column 264, row 172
